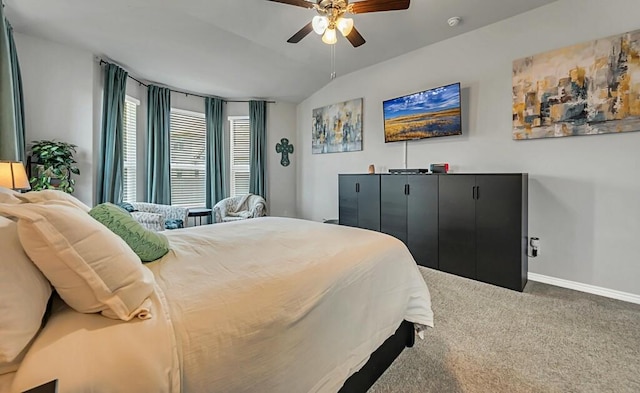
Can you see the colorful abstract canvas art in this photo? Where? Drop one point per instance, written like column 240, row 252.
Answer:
column 585, row 89
column 337, row 128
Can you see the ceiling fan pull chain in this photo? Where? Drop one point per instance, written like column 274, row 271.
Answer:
column 333, row 62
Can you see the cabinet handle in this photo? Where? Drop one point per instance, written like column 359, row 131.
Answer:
column 408, row 189
column 357, row 187
column 477, row 192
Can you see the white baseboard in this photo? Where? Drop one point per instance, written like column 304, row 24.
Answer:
column 610, row 293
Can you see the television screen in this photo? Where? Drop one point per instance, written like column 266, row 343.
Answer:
column 429, row 113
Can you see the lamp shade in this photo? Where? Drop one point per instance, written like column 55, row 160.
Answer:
column 319, row 24
column 329, row 37
column 345, row 25
column 13, row 175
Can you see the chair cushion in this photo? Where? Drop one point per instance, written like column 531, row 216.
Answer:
column 151, row 221
column 24, row 293
column 230, row 219
column 240, row 214
column 148, row 245
column 92, row 269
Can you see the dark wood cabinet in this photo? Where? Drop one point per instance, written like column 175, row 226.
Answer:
column 483, row 227
column 471, row 225
column 393, row 206
column 359, row 201
column 457, row 225
column 502, row 230
column 408, row 211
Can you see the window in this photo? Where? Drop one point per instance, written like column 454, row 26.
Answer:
column 188, row 134
column 239, row 161
column 129, row 149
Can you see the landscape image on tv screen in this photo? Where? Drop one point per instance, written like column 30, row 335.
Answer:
column 429, row 113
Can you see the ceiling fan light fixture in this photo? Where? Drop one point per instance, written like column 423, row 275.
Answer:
column 345, row 25
column 329, row 37
column 320, row 24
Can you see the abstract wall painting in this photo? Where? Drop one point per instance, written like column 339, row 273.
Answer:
column 337, row 128
column 585, row 89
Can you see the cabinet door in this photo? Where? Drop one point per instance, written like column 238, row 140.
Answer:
column 457, row 227
column 498, row 230
column 347, row 200
column 422, row 219
column 369, row 202
column 393, row 206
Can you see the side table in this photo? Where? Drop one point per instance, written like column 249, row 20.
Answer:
column 199, row 213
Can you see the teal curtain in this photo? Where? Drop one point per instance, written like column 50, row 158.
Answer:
column 258, row 147
column 158, row 145
column 18, row 97
column 8, row 135
column 109, row 184
column 216, row 182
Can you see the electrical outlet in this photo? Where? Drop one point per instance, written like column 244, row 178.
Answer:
column 534, row 245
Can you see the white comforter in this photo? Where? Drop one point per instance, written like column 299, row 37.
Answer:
column 262, row 305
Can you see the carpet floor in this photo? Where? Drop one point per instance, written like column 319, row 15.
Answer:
column 493, row 340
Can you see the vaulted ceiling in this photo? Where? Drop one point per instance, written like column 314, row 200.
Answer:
column 238, row 48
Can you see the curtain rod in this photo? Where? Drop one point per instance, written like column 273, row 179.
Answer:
column 181, row 92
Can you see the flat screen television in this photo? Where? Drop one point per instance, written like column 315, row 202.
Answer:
column 429, row 113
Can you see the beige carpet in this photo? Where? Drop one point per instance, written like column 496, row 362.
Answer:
column 492, row 340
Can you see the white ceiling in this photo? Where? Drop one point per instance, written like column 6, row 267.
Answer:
column 237, row 48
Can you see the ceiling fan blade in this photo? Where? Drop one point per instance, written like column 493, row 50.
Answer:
column 355, row 38
column 361, row 7
column 299, row 3
column 308, row 28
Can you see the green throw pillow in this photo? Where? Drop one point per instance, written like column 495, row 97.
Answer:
column 148, row 245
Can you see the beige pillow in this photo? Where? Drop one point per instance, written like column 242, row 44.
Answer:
column 92, row 269
column 52, row 195
column 7, row 195
column 24, row 293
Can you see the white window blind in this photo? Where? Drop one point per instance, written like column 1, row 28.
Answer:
column 239, row 161
column 188, row 158
column 129, row 149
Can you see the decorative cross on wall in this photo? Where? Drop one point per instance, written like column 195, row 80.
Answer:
column 285, row 148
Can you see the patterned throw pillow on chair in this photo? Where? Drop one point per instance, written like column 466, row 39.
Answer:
column 127, row 206
column 173, row 223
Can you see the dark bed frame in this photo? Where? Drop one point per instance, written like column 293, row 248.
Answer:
column 380, row 360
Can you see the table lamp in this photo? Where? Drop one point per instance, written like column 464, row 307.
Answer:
column 13, row 176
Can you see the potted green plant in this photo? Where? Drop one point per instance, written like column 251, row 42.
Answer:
column 54, row 165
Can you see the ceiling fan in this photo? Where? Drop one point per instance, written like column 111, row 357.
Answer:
column 331, row 17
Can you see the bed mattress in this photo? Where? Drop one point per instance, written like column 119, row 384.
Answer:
column 268, row 305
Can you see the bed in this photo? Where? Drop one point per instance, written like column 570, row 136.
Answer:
column 268, row 304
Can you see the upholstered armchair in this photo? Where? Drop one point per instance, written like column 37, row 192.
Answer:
column 240, row 208
column 159, row 217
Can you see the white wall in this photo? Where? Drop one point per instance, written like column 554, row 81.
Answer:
column 58, row 84
column 281, row 189
column 583, row 192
